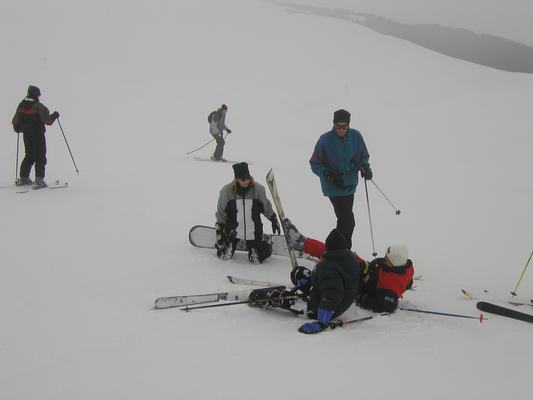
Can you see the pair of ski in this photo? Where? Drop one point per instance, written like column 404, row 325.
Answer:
column 232, row 295
column 56, row 185
column 499, row 310
column 200, row 301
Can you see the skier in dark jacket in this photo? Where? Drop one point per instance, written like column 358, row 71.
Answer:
column 332, row 286
column 30, row 119
column 337, row 158
column 383, row 281
column 329, row 290
column 238, row 215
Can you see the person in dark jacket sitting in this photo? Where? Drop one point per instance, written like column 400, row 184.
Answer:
column 332, row 286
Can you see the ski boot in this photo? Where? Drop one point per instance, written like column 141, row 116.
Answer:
column 296, row 239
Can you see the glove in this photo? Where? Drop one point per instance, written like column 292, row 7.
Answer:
column 224, row 234
column 335, row 178
column 17, row 128
column 55, row 114
column 301, row 278
column 228, row 130
column 366, row 172
column 324, row 317
column 222, row 240
column 276, row 230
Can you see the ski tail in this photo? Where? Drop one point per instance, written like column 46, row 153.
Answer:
column 503, row 311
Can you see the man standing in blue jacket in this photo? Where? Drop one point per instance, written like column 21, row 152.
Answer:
column 338, row 156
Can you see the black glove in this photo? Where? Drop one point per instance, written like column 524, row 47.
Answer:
column 276, row 230
column 55, row 114
column 335, row 178
column 228, row 130
column 17, row 128
column 301, row 278
column 366, row 172
column 224, row 234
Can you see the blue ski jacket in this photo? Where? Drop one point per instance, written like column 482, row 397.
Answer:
column 342, row 156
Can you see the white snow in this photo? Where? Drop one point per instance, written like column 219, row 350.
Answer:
column 450, row 144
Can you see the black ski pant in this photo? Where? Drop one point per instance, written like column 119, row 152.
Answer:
column 35, row 153
column 343, row 207
column 219, row 150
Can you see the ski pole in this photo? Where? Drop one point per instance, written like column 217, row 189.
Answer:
column 68, row 147
column 201, row 147
column 370, row 221
column 234, row 303
column 481, row 318
column 522, row 275
column 340, row 323
column 397, row 212
column 17, row 161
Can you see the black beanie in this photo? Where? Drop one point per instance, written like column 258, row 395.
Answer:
column 33, row 92
column 223, row 107
column 341, row 116
column 336, row 241
column 241, row 171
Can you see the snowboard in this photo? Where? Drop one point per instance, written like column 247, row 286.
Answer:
column 205, row 237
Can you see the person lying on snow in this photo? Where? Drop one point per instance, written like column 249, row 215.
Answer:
column 329, row 290
column 382, row 281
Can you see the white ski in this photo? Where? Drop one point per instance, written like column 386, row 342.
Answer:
column 271, row 182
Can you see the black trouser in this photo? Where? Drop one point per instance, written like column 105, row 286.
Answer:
column 35, row 153
column 219, row 150
column 343, row 206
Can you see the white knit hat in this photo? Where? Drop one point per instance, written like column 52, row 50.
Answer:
column 397, row 255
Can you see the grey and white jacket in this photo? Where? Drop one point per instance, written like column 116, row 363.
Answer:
column 244, row 213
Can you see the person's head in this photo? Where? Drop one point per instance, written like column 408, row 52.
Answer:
column 336, row 241
column 396, row 255
column 242, row 174
column 341, row 122
column 224, row 108
column 34, row 92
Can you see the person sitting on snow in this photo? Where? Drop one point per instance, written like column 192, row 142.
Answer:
column 239, row 208
column 382, row 281
column 329, row 290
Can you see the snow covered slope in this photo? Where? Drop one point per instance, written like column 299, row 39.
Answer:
column 450, row 144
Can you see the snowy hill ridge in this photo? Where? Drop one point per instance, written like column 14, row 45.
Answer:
column 450, row 144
